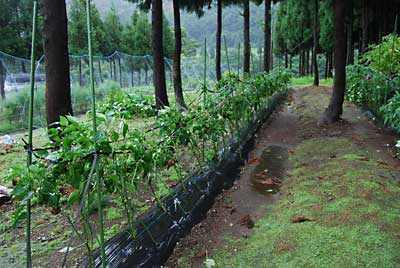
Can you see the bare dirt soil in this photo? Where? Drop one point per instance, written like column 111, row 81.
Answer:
column 254, row 194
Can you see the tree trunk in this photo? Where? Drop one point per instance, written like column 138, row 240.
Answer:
column 120, row 72
column 300, row 62
column 246, row 36
column 177, row 76
column 350, row 50
column 326, row 65
column 286, row 59
column 111, row 70
column 267, row 36
column 335, row 108
column 80, row 72
column 307, row 62
column 2, row 80
column 160, row 87
column 58, row 92
column 115, row 70
column 132, row 84
column 315, row 47
column 100, row 74
column 218, row 41
column 290, row 62
column 364, row 26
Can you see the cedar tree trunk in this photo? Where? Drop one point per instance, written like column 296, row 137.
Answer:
column 315, row 48
column 177, row 77
column 160, row 86
column 218, row 41
column 267, row 36
column 246, row 36
column 58, row 92
column 335, row 108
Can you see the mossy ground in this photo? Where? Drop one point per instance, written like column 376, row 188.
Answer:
column 354, row 205
column 350, row 195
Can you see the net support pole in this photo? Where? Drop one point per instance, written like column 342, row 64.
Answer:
column 30, row 134
column 93, row 93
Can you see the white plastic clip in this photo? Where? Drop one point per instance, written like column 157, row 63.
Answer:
column 176, row 202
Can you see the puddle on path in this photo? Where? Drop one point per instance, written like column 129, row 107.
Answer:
column 268, row 175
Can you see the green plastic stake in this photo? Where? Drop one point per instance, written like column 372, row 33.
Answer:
column 227, row 55
column 30, row 133
column 99, row 182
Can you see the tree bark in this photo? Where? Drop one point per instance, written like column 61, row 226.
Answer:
column 160, row 87
column 177, row 76
column 286, row 59
column 246, row 36
column 326, row 65
column 58, row 92
column 364, row 26
column 350, row 50
column 218, row 41
column 307, row 62
column 111, row 70
column 120, row 72
column 267, row 36
column 300, row 63
column 315, row 47
column 335, row 108
column 100, row 74
column 2, row 80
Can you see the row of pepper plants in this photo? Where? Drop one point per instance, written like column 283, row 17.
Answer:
column 135, row 160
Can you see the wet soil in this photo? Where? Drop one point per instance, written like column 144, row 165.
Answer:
column 255, row 192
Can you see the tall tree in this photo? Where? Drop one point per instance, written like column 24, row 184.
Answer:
column 218, row 41
column 335, row 108
column 160, row 86
column 267, row 36
column 315, row 46
column 177, row 76
column 113, row 28
column 58, row 93
column 78, row 31
column 246, row 36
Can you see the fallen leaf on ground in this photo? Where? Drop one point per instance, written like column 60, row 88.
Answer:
column 201, row 254
column 357, row 139
column 254, row 161
column 299, row 219
column 269, row 181
column 247, row 221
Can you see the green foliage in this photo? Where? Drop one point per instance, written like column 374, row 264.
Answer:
column 384, row 57
column 113, row 28
column 368, row 87
column 16, row 28
column 327, row 31
column 391, row 112
column 126, row 106
column 78, row 30
column 132, row 160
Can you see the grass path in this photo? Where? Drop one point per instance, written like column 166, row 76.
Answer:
column 342, row 181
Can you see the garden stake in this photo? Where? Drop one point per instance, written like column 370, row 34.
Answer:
column 204, row 87
column 99, row 182
column 30, row 139
column 238, row 56
column 227, row 55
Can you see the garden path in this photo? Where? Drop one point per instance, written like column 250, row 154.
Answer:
column 338, row 204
